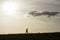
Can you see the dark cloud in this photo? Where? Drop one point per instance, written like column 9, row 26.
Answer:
column 49, row 14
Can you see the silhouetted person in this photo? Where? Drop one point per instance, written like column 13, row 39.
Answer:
column 26, row 30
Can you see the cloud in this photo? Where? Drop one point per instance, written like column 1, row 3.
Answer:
column 49, row 14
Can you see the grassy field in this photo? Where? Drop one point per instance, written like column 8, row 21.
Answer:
column 31, row 36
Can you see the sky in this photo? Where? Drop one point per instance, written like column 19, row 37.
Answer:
column 15, row 18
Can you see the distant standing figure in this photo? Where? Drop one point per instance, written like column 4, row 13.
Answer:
column 26, row 30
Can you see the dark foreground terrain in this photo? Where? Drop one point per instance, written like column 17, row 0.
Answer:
column 31, row 36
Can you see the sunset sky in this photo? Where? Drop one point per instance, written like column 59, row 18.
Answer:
column 15, row 18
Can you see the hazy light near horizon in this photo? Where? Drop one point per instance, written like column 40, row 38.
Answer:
column 9, row 8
